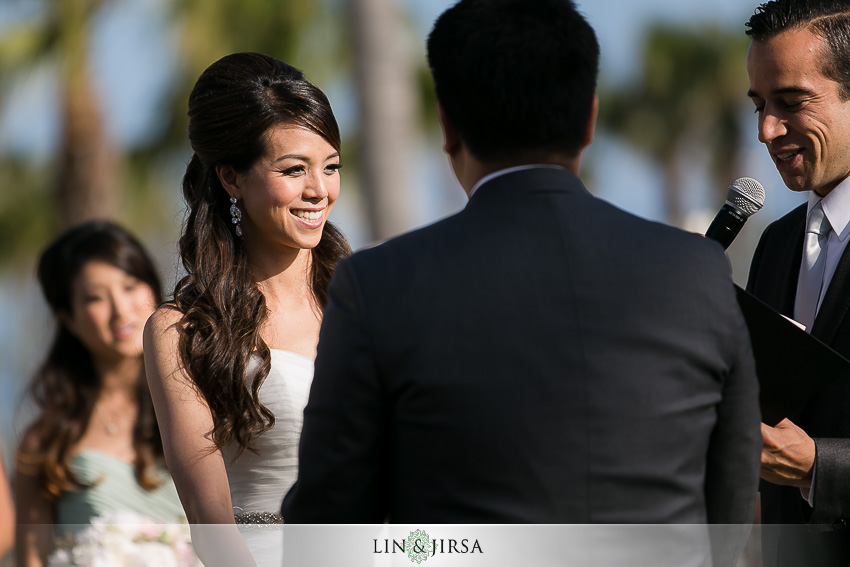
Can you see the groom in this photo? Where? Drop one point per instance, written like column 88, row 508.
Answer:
column 541, row 356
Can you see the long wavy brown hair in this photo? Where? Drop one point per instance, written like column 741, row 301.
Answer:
column 233, row 104
column 66, row 386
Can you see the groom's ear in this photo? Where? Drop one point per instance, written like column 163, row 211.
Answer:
column 591, row 122
column 452, row 141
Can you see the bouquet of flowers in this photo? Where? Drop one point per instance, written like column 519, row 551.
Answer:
column 126, row 539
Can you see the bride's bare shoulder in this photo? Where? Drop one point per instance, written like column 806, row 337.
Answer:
column 163, row 323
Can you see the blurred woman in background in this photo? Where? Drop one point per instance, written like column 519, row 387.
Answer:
column 94, row 446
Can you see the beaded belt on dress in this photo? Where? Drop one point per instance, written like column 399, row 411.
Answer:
column 256, row 517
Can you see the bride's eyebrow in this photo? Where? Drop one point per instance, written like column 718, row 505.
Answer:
column 303, row 158
column 292, row 156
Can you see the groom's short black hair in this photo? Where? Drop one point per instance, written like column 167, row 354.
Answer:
column 515, row 77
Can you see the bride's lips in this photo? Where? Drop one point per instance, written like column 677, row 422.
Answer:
column 312, row 218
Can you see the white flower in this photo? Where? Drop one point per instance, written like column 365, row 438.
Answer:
column 60, row 558
column 152, row 553
column 126, row 539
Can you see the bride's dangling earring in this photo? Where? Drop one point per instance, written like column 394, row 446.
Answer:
column 235, row 217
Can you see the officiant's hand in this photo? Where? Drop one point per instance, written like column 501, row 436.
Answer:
column 788, row 455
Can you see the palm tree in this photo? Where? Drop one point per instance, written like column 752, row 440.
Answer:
column 690, row 91
column 87, row 167
column 385, row 79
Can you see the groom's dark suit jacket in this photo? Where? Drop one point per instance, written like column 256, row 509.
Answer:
column 542, row 357
column 826, row 417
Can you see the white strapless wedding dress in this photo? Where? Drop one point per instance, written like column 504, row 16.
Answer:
column 259, row 481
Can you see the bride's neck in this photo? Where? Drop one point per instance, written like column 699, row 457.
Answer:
column 282, row 284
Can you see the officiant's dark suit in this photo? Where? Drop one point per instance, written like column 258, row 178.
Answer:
column 797, row 532
column 826, row 417
column 541, row 356
column 798, row 65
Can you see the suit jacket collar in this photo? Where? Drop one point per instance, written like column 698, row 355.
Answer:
column 836, row 302
column 507, row 170
column 793, row 242
column 514, row 183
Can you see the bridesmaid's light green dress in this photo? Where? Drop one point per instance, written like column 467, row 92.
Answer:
column 115, row 489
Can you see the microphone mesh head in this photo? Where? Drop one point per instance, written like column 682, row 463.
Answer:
column 746, row 194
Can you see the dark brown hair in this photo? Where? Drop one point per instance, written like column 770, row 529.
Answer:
column 828, row 19
column 233, row 104
column 66, row 386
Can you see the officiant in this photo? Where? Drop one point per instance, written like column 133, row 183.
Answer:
column 799, row 70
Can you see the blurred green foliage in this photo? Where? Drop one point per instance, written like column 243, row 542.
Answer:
column 689, row 92
column 56, row 35
column 143, row 180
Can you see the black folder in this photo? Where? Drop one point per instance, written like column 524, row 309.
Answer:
column 791, row 364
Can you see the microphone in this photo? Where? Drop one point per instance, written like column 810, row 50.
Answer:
column 744, row 198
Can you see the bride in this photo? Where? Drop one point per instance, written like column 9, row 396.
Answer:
column 230, row 358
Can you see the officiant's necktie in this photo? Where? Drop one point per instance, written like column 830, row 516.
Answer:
column 810, row 282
